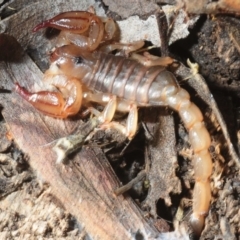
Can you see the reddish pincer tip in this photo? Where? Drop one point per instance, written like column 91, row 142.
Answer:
column 21, row 91
column 41, row 25
column 17, row 87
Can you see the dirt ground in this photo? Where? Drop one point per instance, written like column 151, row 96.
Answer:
column 76, row 199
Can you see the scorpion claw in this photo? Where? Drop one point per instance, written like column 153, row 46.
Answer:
column 75, row 23
column 53, row 103
column 47, row 102
column 41, row 25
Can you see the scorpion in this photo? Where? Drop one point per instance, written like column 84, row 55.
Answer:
column 84, row 70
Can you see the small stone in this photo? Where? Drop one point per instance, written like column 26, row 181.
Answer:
column 39, row 228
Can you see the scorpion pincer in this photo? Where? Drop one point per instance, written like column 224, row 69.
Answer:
column 83, row 70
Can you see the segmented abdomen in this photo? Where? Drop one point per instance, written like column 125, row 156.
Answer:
column 128, row 79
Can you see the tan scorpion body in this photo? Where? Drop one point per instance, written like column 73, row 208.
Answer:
column 80, row 75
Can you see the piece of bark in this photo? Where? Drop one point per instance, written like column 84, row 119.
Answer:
column 145, row 28
column 130, row 8
column 162, row 155
column 10, row 48
column 219, row 41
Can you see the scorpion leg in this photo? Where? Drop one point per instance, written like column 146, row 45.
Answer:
column 110, row 28
column 114, row 104
column 63, row 103
column 150, row 60
column 131, row 125
column 126, row 48
column 107, row 114
column 73, row 24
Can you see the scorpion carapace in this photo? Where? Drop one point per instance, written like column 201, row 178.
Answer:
column 81, row 72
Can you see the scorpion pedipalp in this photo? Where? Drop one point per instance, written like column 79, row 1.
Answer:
column 60, row 104
column 73, row 24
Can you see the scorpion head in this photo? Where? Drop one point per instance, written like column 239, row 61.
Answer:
column 71, row 60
